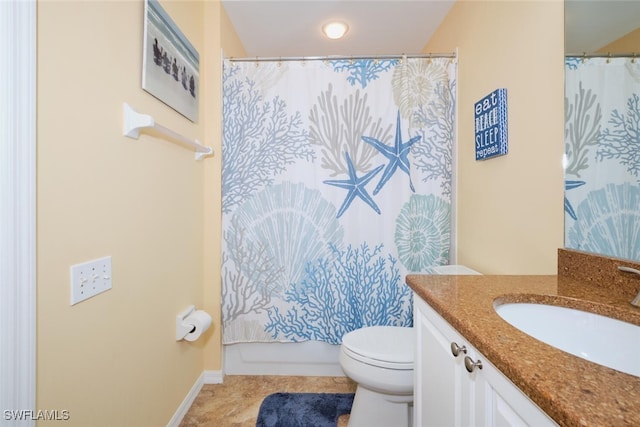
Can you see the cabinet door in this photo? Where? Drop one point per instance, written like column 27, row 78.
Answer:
column 436, row 377
column 445, row 393
column 506, row 406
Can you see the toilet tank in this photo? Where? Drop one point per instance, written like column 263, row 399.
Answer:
column 451, row 269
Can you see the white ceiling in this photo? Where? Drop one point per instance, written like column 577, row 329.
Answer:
column 284, row 28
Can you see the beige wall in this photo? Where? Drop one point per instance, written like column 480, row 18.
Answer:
column 212, row 358
column 510, row 208
column 113, row 359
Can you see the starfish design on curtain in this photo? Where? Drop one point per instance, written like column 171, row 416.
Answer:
column 397, row 155
column 355, row 186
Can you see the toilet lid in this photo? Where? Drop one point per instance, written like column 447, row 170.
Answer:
column 393, row 344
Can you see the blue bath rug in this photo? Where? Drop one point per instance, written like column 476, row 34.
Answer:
column 303, row 409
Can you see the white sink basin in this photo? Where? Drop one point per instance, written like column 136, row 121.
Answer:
column 599, row 339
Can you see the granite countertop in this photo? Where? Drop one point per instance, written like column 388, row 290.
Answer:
column 573, row 391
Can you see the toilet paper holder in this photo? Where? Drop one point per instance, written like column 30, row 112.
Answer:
column 182, row 329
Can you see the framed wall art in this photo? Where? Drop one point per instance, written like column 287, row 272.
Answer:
column 170, row 63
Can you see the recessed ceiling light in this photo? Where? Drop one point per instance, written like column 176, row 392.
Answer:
column 335, row 30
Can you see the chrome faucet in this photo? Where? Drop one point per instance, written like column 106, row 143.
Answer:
column 636, row 301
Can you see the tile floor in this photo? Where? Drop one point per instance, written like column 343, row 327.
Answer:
column 236, row 402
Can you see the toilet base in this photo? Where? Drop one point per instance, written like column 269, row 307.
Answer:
column 372, row 409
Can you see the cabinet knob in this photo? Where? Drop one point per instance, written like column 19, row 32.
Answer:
column 471, row 365
column 456, row 349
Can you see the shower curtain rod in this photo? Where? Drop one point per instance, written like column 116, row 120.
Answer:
column 339, row 57
column 603, row 55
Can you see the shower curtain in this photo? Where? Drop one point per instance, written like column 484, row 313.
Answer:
column 336, row 182
column 602, row 148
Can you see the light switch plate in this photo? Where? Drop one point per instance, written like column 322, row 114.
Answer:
column 90, row 278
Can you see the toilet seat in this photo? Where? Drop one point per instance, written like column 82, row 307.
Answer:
column 390, row 347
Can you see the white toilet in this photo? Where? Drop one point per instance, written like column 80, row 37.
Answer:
column 380, row 360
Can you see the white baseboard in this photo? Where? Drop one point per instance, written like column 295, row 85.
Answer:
column 212, row 377
column 206, row 377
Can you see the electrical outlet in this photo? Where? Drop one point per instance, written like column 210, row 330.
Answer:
column 90, row 278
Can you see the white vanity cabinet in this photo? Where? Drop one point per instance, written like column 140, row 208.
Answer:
column 446, row 394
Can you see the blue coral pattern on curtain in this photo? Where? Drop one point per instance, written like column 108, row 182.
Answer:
column 336, row 183
column 602, row 148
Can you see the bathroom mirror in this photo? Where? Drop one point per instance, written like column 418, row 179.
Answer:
column 602, row 181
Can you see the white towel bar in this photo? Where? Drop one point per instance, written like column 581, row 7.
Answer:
column 133, row 122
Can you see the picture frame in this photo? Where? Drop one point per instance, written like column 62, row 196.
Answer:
column 170, row 63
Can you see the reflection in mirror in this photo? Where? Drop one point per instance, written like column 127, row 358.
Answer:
column 602, row 127
column 601, row 26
